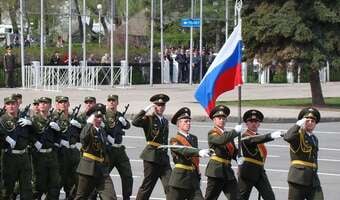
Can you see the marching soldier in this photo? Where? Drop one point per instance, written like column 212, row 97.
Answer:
column 18, row 98
column 89, row 102
column 251, row 171
column 68, row 153
column 45, row 158
column 219, row 172
column 114, row 124
column 156, row 161
column 184, row 183
column 16, row 163
column 303, row 179
column 35, row 108
column 93, row 168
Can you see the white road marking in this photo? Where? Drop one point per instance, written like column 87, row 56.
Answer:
column 328, row 160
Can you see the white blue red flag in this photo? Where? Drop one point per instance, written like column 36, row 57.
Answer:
column 224, row 73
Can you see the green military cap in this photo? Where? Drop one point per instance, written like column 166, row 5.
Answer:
column 310, row 112
column 61, row 99
column 35, row 101
column 183, row 113
column 98, row 109
column 45, row 99
column 17, row 96
column 9, row 99
column 112, row 97
column 253, row 115
column 219, row 110
column 89, row 98
column 160, row 99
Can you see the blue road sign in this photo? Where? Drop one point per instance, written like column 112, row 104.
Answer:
column 195, row 23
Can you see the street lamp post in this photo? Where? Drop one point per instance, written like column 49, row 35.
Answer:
column 99, row 7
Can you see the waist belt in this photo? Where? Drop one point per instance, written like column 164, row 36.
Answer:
column 15, row 151
column 155, row 144
column 186, row 167
column 303, row 163
column 93, row 157
column 254, row 161
column 49, row 150
column 219, row 159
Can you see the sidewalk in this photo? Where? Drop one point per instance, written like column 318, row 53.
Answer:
column 183, row 95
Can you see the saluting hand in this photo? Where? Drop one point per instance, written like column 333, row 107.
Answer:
column 147, row 108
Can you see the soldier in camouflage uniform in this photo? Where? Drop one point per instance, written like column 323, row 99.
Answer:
column 156, row 161
column 89, row 102
column 45, row 159
column 15, row 134
column 69, row 153
column 35, row 108
column 114, row 124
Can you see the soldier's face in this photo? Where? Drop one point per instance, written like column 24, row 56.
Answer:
column 184, row 125
column 159, row 109
column 98, row 120
column 19, row 101
column 63, row 105
column 44, row 106
column 220, row 121
column 310, row 125
column 35, row 108
column 253, row 125
column 12, row 108
column 112, row 104
column 89, row 104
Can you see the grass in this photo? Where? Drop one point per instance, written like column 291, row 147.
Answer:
column 331, row 102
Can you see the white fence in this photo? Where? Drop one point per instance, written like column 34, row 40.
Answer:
column 82, row 77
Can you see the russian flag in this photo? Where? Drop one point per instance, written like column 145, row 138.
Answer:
column 224, row 73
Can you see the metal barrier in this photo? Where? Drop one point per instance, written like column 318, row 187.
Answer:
column 55, row 78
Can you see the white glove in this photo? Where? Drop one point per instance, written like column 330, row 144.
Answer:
column 54, row 126
column 238, row 128
column 75, row 123
column 110, row 139
column 65, row 143
column 11, row 142
column 24, row 122
column 276, row 134
column 147, row 108
column 90, row 119
column 78, row 145
column 240, row 160
column 122, row 120
column 204, row 153
column 301, row 122
column 38, row 145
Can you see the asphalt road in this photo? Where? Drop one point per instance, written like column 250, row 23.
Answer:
column 277, row 164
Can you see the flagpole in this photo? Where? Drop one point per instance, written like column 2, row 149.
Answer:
column 238, row 21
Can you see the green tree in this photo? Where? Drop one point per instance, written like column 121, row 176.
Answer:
column 306, row 32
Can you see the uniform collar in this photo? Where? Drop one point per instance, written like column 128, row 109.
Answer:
column 183, row 133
